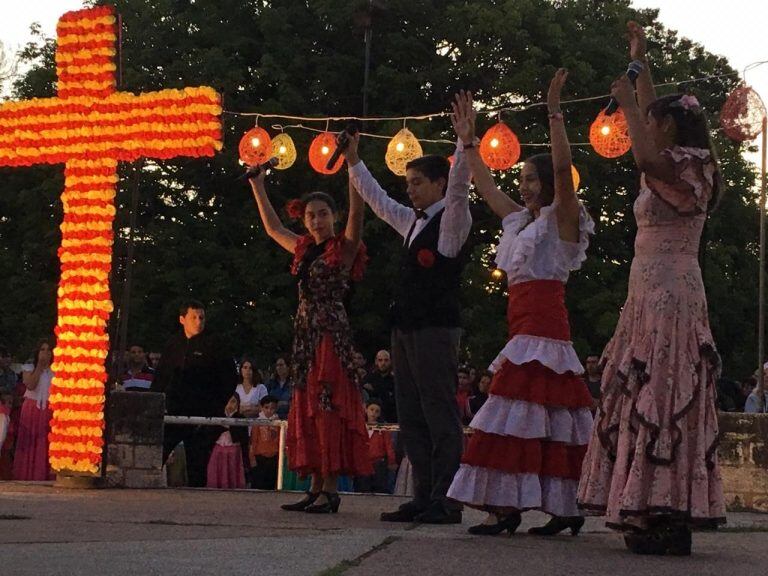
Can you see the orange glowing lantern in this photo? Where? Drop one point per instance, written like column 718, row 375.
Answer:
column 89, row 127
column 609, row 135
column 255, row 146
column 576, row 177
column 320, row 151
column 742, row 114
column 500, row 148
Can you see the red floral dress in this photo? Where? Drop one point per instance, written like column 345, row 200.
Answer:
column 326, row 423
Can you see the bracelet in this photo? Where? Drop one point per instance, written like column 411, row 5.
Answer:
column 555, row 115
column 475, row 142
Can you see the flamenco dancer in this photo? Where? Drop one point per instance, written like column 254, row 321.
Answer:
column 327, row 436
column 652, row 468
column 530, row 436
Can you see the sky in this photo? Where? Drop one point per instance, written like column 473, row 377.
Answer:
column 736, row 32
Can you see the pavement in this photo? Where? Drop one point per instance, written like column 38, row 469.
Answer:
column 48, row 530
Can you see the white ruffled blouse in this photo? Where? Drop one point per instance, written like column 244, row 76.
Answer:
column 532, row 249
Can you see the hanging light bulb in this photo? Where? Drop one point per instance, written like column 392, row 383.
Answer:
column 403, row 148
column 255, row 146
column 284, row 150
column 320, row 151
column 499, row 147
column 609, row 135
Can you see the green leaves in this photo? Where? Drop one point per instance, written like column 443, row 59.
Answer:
column 198, row 232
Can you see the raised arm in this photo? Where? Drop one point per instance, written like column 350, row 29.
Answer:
column 647, row 154
column 463, row 120
column 566, row 202
column 646, row 93
column 397, row 215
column 354, row 229
column 272, row 224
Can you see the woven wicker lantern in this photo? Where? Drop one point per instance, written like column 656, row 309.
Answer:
column 320, row 151
column 609, row 135
column 255, row 146
column 284, row 150
column 499, row 147
column 742, row 114
column 403, row 148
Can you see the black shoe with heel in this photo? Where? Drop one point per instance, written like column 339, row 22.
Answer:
column 508, row 523
column 559, row 523
column 659, row 541
column 300, row 506
column 330, row 506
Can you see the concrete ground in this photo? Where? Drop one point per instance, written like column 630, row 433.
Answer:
column 46, row 530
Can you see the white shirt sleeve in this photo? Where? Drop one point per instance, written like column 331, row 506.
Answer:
column 457, row 220
column 397, row 215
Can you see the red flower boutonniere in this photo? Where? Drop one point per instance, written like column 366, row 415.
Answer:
column 426, row 258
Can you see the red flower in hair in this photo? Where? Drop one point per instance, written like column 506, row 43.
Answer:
column 426, row 258
column 295, row 209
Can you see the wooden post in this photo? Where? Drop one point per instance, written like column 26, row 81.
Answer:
column 281, row 455
column 761, row 282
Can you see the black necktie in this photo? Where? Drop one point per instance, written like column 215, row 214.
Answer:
column 420, row 214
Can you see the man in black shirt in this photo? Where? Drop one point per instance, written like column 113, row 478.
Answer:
column 380, row 384
column 198, row 379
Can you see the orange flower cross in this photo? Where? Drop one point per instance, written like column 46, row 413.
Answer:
column 90, row 127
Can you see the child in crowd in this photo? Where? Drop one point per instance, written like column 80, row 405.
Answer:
column 225, row 466
column 265, row 448
column 381, row 453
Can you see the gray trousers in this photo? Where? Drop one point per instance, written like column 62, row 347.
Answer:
column 425, row 363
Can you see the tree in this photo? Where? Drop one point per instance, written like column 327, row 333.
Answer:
column 197, row 229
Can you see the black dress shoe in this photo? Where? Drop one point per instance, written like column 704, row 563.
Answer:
column 559, row 523
column 301, row 505
column 508, row 523
column 406, row 513
column 439, row 515
column 330, row 506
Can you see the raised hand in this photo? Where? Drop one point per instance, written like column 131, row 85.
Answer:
column 463, row 117
column 555, row 89
column 623, row 91
column 637, row 43
column 350, row 153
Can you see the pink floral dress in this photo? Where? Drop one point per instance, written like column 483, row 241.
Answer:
column 653, row 448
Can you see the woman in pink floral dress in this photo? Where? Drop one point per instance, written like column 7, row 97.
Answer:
column 327, row 436
column 651, row 467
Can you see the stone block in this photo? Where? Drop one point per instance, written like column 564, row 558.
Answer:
column 743, row 455
column 135, row 417
column 148, row 457
column 143, row 479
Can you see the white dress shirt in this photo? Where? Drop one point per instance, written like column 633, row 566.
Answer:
column 456, row 221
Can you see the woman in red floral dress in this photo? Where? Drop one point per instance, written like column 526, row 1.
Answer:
column 326, row 423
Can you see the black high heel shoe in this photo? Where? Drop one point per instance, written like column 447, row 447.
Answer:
column 508, row 523
column 559, row 523
column 330, row 506
column 302, row 504
column 672, row 540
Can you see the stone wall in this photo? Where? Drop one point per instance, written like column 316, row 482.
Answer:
column 134, row 440
column 743, row 455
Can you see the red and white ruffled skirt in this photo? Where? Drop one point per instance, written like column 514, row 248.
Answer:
column 531, row 435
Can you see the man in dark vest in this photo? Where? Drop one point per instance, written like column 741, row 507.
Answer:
column 425, row 321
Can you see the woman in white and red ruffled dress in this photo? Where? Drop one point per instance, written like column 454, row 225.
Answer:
column 530, row 436
column 327, row 436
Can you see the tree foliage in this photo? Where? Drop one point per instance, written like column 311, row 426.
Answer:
column 197, row 230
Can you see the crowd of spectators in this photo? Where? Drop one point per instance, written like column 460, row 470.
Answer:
column 264, row 391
